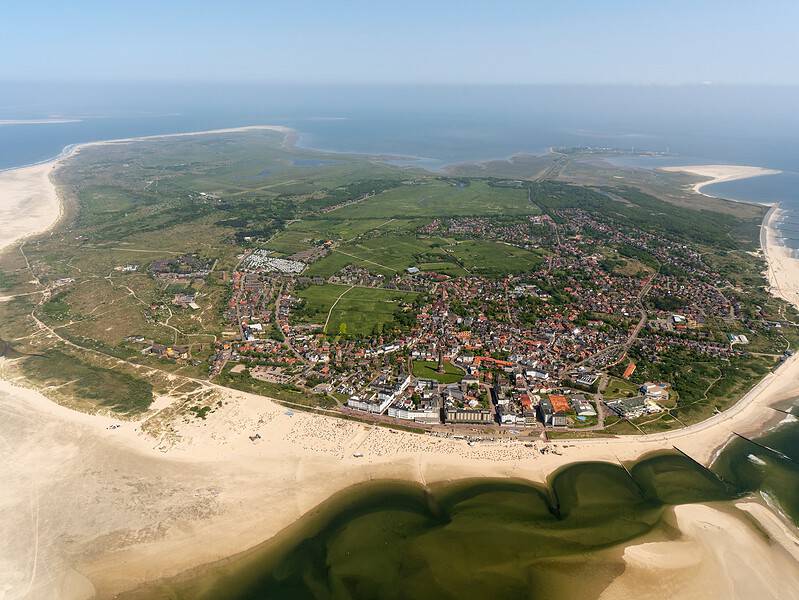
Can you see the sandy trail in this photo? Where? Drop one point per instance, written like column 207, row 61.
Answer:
column 95, row 510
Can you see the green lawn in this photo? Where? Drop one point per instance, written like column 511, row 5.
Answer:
column 426, row 369
column 619, row 388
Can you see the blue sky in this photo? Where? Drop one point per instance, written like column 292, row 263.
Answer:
column 353, row 41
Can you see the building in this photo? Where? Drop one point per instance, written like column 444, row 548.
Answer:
column 545, row 411
column 536, row 374
column 628, row 372
column 385, row 396
column 582, row 407
column 373, row 405
column 474, row 416
column 587, row 379
column 629, row 408
column 655, row 391
column 426, row 411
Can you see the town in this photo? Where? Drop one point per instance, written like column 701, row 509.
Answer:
column 553, row 345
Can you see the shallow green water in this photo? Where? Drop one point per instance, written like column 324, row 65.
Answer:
column 491, row 538
column 770, row 467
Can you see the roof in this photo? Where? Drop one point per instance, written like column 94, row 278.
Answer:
column 629, row 370
column 559, row 403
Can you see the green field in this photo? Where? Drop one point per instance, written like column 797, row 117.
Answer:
column 390, row 254
column 436, row 198
column 317, row 301
column 385, row 254
column 492, row 258
column 291, row 241
column 446, row 268
column 427, row 369
column 358, row 312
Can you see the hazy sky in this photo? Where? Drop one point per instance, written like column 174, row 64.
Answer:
column 403, row 41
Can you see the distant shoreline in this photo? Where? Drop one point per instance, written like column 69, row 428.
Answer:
column 37, row 208
column 9, row 122
column 721, row 174
column 290, row 140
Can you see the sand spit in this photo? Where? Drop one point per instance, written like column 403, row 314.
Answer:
column 161, row 136
column 53, row 121
column 717, row 556
column 94, row 506
column 720, row 173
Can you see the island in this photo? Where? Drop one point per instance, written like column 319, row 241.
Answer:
column 226, row 346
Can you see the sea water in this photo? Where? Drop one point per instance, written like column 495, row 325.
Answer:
column 437, row 124
column 492, row 538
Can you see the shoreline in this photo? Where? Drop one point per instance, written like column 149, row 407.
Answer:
column 23, row 191
column 291, row 136
column 782, row 267
column 721, row 174
column 308, row 457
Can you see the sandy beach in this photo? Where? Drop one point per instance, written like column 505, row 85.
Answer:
column 28, row 202
column 719, row 173
column 783, row 268
column 95, row 505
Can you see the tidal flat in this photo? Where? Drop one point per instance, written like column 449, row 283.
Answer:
column 493, row 538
